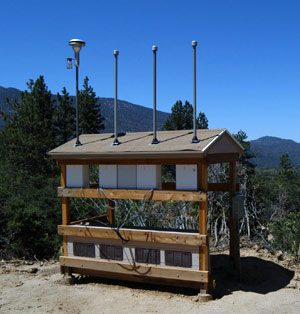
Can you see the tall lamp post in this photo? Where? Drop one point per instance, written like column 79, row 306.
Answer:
column 77, row 44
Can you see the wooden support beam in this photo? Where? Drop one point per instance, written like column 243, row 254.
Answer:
column 139, row 279
column 111, row 211
column 140, row 270
column 149, row 195
column 65, row 211
column 109, row 161
column 150, row 236
column 233, row 224
column 63, row 175
column 204, row 262
column 221, row 158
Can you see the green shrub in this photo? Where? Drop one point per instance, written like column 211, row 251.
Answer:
column 286, row 233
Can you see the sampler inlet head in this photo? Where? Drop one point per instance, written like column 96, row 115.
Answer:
column 194, row 43
column 154, row 48
column 116, row 52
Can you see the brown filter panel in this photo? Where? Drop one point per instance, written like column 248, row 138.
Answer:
column 112, row 252
column 149, row 256
column 177, row 258
column 83, row 249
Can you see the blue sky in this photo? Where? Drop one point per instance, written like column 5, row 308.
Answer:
column 248, row 67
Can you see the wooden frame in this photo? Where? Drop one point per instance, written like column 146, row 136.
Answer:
column 149, row 271
column 134, row 235
column 175, row 275
column 146, row 195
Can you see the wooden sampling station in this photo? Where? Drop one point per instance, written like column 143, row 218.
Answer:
column 132, row 170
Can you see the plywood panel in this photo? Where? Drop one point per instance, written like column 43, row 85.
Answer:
column 186, row 177
column 127, row 176
column 225, row 144
column 108, row 177
column 77, row 176
column 149, row 177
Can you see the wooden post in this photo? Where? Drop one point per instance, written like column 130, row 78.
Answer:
column 204, row 261
column 65, row 207
column 111, row 212
column 233, row 224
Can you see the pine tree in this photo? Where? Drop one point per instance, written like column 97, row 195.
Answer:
column 202, row 122
column 247, row 155
column 286, row 173
column 29, row 133
column 90, row 118
column 28, row 177
column 181, row 118
column 64, row 117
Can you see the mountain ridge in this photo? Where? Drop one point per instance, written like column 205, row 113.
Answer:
column 131, row 117
column 270, row 148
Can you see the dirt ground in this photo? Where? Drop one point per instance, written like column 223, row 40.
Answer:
column 270, row 284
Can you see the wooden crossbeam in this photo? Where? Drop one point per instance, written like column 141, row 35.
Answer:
column 221, row 158
column 110, row 161
column 149, row 236
column 155, row 195
column 141, row 270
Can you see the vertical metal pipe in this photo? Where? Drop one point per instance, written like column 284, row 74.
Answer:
column 155, row 140
column 77, row 95
column 195, row 139
column 116, row 141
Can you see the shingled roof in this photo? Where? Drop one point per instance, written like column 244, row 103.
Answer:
column 137, row 145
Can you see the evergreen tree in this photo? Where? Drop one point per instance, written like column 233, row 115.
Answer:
column 247, row 155
column 285, row 171
column 202, row 122
column 29, row 133
column 64, row 117
column 181, row 118
column 28, row 177
column 90, row 118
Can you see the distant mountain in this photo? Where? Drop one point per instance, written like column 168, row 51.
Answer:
column 131, row 117
column 269, row 149
column 9, row 93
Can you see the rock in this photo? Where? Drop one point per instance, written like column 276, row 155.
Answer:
column 68, row 280
column 270, row 238
column 279, row 256
column 202, row 297
column 33, row 270
column 19, row 284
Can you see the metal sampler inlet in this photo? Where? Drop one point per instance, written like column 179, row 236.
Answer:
column 116, row 141
column 195, row 139
column 155, row 140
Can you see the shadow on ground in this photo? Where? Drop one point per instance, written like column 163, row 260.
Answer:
column 257, row 275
